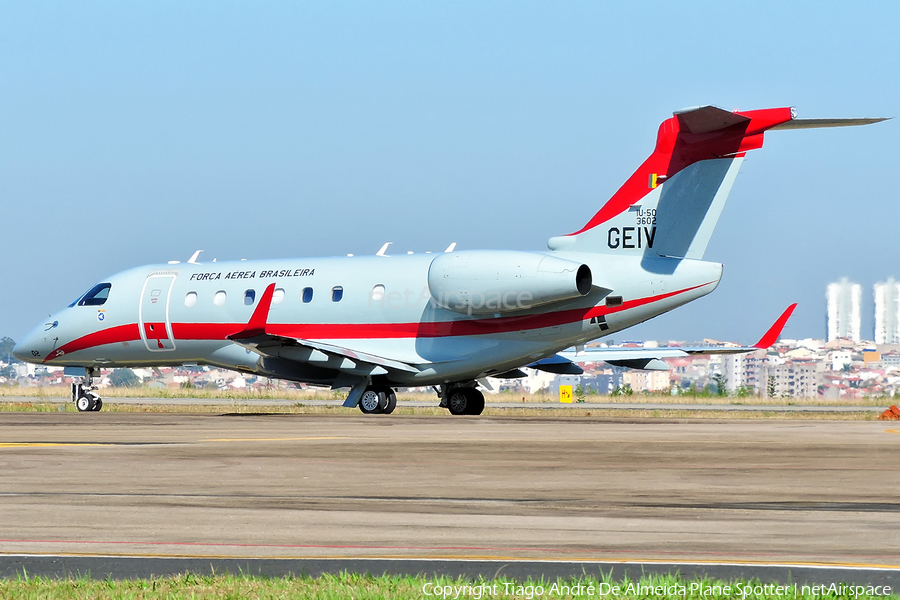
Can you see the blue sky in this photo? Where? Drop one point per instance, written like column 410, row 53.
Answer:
column 135, row 133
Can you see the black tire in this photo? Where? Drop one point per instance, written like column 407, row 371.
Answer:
column 476, row 402
column 390, row 401
column 459, row 400
column 98, row 404
column 372, row 401
column 84, row 403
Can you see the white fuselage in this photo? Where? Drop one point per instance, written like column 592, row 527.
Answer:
column 182, row 313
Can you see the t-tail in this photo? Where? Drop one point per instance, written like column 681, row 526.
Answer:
column 671, row 204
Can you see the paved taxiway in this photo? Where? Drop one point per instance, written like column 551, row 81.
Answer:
column 315, row 486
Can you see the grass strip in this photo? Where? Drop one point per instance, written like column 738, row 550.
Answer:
column 280, row 392
column 338, row 411
column 362, row 587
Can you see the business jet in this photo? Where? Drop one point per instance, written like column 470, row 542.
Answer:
column 446, row 320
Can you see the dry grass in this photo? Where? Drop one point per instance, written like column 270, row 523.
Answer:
column 283, row 393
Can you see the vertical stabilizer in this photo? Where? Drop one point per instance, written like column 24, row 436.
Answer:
column 671, row 204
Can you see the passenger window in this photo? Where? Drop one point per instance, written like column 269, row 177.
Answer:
column 614, row 300
column 278, row 296
column 307, row 295
column 249, row 297
column 219, row 298
column 190, row 299
column 378, row 293
column 97, row 296
column 337, row 292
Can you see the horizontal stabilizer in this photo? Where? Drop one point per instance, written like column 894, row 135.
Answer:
column 704, row 119
column 819, row 123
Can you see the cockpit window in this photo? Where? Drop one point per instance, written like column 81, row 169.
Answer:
column 97, row 296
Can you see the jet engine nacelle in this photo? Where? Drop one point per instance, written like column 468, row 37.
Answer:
column 498, row 281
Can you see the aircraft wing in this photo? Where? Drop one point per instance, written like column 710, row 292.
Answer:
column 255, row 337
column 324, row 355
column 650, row 359
column 647, row 359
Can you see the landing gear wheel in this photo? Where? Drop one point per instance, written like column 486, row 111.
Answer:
column 372, row 401
column 390, row 400
column 83, row 394
column 465, row 401
column 84, row 404
column 459, row 401
column 476, row 402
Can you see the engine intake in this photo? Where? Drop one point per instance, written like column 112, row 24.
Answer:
column 500, row 281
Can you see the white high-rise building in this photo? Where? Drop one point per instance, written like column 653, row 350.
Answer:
column 843, row 301
column 887, row 312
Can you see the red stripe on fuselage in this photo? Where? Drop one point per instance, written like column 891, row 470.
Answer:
column 333, row 331
column 120, row 333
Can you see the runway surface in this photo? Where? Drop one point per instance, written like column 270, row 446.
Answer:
column 803, row 493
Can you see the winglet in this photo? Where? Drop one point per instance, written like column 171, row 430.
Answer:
column 771, row 336
column 257, row 323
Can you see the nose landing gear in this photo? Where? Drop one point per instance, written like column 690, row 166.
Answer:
column 84, row 393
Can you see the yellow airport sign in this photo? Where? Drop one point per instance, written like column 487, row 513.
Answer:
column 565, row 394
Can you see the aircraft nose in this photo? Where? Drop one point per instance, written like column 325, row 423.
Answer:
column 32, row 348
column 19, row 350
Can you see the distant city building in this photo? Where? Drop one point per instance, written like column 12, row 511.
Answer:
column 646, row 381
column 891, row 359
column 840, row 359
column 843, row 300
column 602, row 384
column 797, row 380
column 742, row 370
column 887, row 312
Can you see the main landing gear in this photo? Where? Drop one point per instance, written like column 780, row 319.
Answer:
column 378, row 400
column 462, row 400
column 84, row 394
column 459, row 399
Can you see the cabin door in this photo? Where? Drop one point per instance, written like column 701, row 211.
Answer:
column 156, row 328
